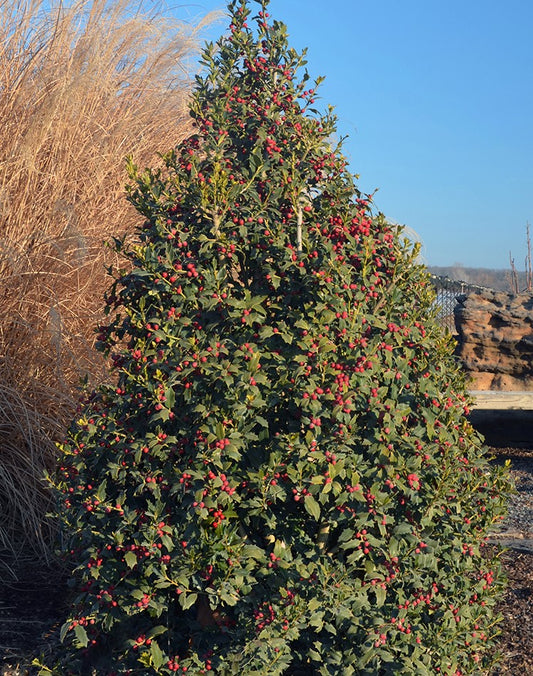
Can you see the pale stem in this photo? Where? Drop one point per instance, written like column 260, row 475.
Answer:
column 323, row 535
column 299, row 245
column 216, row 224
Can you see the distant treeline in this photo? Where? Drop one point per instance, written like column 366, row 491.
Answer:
column 493, row 279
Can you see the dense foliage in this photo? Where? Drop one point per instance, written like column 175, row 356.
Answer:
column 282, row 478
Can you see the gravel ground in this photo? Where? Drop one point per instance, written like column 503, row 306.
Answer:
column 519, row 522
column 516, row 641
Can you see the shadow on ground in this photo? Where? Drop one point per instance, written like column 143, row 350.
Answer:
column 504, row 428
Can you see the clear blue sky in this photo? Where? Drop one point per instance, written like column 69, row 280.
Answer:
column 437, row 100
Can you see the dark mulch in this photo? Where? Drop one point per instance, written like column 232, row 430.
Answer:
column 516, row 641
column 32, row 609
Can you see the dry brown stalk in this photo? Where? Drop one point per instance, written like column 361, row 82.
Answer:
column 513, row 277
column 81, row 87
column 528, row 269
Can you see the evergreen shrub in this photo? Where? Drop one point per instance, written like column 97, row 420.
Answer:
column 282, row 478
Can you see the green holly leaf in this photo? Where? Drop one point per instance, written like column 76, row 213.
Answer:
column 131, row 559
column 187, row 600
column 312, row 506
column 81, row 636
column 158, row 658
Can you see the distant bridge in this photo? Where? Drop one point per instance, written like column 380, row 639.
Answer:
column 447, row 291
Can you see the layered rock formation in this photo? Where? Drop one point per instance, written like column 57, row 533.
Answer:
column 495, row 339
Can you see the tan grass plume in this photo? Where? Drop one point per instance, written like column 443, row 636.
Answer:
column 81, row 86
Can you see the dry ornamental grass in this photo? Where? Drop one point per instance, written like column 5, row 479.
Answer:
column 82, row 86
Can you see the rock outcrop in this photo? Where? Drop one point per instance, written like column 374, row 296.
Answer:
column 495, row 339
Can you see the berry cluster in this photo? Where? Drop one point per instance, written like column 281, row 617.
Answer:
column 281, row 476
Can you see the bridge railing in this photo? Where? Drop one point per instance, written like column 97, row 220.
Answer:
column 447, row 291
